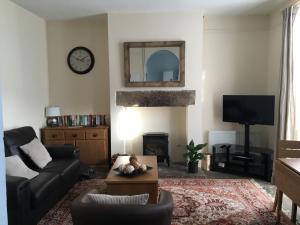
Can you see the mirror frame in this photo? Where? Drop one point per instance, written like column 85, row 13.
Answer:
column 179, row 83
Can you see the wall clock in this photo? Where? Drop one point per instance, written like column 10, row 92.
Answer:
column 81, row 60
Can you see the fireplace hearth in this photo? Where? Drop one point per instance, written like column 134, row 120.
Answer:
column 157, row 144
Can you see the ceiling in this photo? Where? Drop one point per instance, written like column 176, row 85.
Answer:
column 70, row 9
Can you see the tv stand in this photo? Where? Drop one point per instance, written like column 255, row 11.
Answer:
column 257, row 162
column 242, row 157
column 247, row 139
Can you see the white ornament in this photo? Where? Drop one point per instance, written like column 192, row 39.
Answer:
column 144, row 167
column 129, row 169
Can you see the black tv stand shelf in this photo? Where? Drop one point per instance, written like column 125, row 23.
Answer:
column 257, row 162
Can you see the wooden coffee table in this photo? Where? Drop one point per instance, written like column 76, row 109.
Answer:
column 145, row 183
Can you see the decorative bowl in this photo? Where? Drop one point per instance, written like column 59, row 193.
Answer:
column 133, row 174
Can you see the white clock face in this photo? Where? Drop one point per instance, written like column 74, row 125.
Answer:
column 80, row 60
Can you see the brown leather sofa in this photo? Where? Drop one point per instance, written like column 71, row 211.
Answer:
column 90, row 213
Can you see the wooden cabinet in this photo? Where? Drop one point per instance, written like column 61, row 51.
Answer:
column 92, row 142
column 94, row 151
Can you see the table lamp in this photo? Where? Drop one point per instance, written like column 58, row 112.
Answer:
column 52, row 112
column 128, row 126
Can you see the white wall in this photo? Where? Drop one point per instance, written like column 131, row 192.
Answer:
column 78, row 94
column 3, row 212
column 156, row 27
column 236, row 57
column 23, row 76
column 23, row 67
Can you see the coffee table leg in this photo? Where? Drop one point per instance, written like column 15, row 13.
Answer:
column 275, row 201
column 279, row 206
column 294, row 213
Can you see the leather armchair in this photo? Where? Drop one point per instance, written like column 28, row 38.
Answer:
column 90, row 213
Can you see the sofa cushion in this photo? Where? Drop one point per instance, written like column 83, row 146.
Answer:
column 43, row 186
column 66, row 168
column 103, row 199
column 37, row 152
column 16, row 167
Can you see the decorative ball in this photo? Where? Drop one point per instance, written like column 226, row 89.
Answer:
column 135, row 164
column 143, row 167
column 132, row 158
column 128, row 169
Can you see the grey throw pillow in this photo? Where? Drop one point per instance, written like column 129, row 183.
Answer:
column 16, row 167
column 103, row 199
column 37, row 152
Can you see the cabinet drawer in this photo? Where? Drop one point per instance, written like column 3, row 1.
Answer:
column 54, row 135
column 74, row 134
column 95, row 134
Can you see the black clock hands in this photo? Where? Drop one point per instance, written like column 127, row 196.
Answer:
column 82, row 59
column 78, row 59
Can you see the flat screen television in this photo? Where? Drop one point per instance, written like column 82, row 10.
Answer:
column 249, row 109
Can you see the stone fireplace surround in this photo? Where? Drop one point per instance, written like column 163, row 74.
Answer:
column 159, row 99
column 155, row 98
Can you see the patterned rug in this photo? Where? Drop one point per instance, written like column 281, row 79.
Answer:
column 197, row 202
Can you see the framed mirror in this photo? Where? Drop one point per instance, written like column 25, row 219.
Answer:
column 154, row 64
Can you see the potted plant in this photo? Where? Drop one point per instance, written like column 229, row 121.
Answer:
column 193, row 155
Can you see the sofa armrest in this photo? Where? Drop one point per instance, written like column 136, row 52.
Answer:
column 63, row 151
column 18, row 199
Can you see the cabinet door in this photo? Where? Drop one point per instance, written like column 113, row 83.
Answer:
column 53, row 142
column 92, row 152
column 70, row 142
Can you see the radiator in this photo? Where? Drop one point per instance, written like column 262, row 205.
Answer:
column 217, row 137
column 257, row 138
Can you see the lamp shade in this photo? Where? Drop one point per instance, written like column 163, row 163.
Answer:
column 129, row 124
column 52, row 111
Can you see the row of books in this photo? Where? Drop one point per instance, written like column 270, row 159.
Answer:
column 82, row 120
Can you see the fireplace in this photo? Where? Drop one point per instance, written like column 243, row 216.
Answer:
column 157, row 144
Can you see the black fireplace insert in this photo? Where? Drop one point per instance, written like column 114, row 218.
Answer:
column 157, row 144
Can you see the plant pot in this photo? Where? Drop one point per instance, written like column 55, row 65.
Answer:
column 193, row 167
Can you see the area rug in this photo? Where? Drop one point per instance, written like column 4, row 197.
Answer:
column 219, row 202
column 196, row 202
